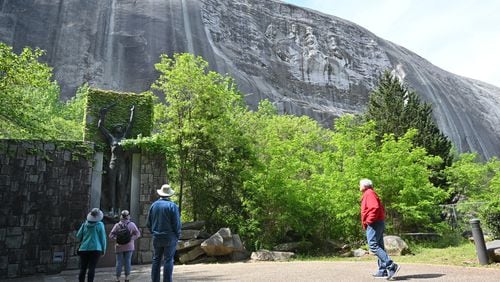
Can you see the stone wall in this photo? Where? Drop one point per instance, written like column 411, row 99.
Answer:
column 44, row 190
column 153, row 175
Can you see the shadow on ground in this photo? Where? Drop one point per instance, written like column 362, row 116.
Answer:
column 418, row 276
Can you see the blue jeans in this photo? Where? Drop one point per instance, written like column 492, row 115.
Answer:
column 163, row 248
column 375, row 238
column 123, row 259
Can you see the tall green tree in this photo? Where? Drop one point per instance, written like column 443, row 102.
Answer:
column 208, row 150
column 25, row 89
column 29, row 99
column 395, row 109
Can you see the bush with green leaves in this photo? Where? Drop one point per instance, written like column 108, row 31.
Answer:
column 490, row 214
column 475, row 184
column 283, row 196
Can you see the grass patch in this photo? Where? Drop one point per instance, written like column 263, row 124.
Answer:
column 463, row 254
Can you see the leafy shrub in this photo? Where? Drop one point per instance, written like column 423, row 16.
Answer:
column 491, row 218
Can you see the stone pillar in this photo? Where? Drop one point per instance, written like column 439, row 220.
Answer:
column 135, row 186
column 95, row 190
column 152, row 176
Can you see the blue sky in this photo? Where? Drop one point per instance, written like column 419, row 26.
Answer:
column 460, row 36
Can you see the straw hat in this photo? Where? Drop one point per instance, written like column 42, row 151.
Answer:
column 165, row 191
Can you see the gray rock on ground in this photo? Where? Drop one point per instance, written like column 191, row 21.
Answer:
column 266, row 255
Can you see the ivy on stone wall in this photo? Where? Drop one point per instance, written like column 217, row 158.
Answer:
column 79, row 150
column 119, row 114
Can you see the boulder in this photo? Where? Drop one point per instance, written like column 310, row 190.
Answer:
column 191, row 255
column 225, row 233
column 189, row 244
column 266, row 255
column 395, row 246
column 239, row 255
column 222, row 243
column 493, row 249
column 359, row 252
column 188, row 234
column 335, row 246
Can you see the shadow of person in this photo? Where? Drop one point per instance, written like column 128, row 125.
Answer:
column 418, row 276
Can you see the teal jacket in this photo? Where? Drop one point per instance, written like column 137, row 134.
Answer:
column 92, row 236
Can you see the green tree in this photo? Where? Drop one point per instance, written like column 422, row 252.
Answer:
column 402, row 174
column 29, row 99
column 399, row 170
column 467, row 177
column 396, row 109
column 26, row 88
column 476, row 186
column 200, row 125
column 284, row 198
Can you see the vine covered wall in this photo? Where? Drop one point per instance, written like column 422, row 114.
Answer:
column 117, row 115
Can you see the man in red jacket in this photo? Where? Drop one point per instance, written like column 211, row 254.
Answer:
column 372, row 218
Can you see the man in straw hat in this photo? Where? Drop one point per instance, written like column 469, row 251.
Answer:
column 165, row 224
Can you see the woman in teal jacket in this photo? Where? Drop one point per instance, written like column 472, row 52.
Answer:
column 92, row 237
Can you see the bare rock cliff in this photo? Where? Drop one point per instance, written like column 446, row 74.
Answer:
column 306, row 62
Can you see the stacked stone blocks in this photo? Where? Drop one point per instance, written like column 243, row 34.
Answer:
column 44, row 190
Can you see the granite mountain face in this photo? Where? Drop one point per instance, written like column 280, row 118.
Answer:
column 306, row 62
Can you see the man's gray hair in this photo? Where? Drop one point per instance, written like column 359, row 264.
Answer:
column 366, row 182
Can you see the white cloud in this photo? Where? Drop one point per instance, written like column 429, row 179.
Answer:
column 460, row 36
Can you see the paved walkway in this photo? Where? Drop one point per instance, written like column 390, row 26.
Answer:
column 290, row 271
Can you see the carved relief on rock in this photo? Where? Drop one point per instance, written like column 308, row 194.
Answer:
column 286, row 47
column 314, row 59
column 309, row 58
column 270, row 32
column 335, row 62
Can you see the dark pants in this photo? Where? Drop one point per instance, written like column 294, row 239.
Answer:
column 166, row 249
column 88, row 260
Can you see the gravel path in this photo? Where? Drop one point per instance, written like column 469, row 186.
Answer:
column 291, row 271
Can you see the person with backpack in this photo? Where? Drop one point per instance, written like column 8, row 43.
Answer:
column 124, row 233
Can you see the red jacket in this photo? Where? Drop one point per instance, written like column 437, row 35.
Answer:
column 372, row 209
